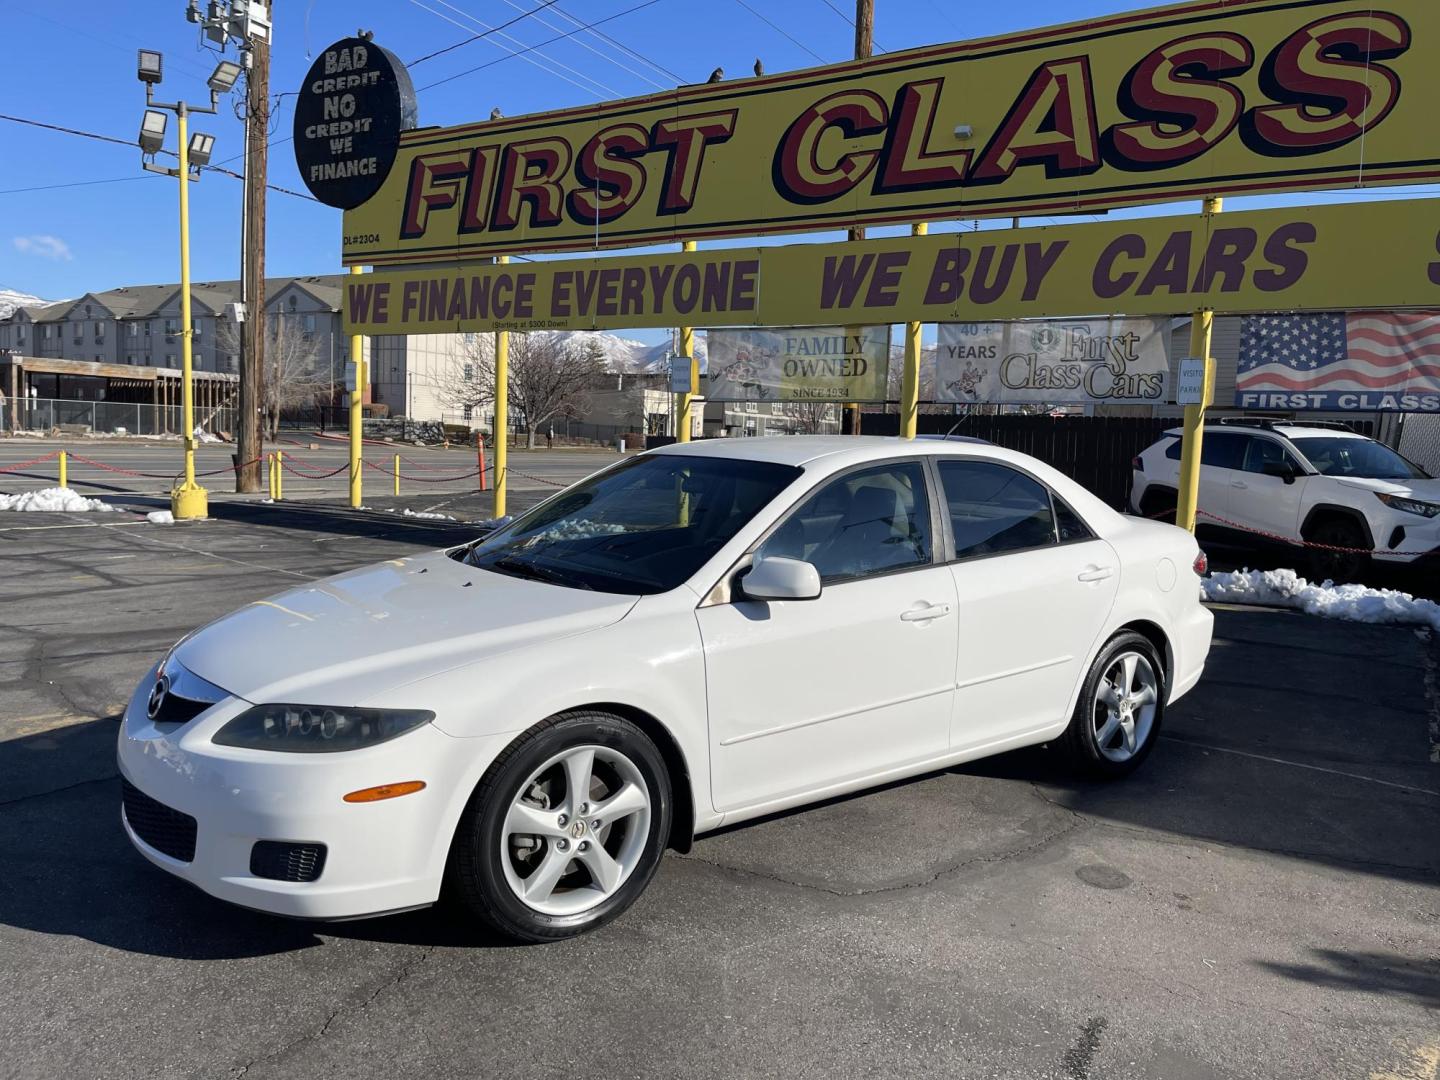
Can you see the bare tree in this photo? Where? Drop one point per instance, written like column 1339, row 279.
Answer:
column 815, row 417
column 292, row 374
column 549, row 377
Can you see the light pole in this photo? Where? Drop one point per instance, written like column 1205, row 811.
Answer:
column 189, row 499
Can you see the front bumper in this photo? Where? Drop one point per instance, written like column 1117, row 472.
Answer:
column 380, row 856
column 1406, row 538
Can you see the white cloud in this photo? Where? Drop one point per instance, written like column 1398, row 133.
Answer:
column 45, row 246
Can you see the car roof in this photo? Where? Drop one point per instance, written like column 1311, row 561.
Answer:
column 1290, row 431
column 804, row 449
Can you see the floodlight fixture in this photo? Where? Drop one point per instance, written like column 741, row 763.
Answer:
column 202, row 146
column 151, row 67
column 227, row 72
column 152, row 131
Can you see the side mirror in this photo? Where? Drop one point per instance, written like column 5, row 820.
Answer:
column 1281, row 469
column 777, row 578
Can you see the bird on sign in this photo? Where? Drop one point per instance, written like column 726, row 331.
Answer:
column 495, row 113
column 759, row 67
column 716, row 75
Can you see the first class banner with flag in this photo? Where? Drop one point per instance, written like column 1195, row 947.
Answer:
column 1212, row 97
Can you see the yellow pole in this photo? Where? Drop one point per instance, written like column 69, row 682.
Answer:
column 910, row 380
column 189, row 500
column 270, row 474
column 64, row 481
column 502, row 414
column 357, row 449
column 1188, row 498
column 397, row 474
column 687, row 348
column 279, row 475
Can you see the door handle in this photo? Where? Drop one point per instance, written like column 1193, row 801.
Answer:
column 1096, row 573
column 926, row 613
column 1239, row 484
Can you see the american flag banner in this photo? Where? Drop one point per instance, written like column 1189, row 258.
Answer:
column 1368, row 361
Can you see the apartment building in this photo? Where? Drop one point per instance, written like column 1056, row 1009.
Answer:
column 139, row 325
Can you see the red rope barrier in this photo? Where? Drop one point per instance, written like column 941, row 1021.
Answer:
column 28, row 464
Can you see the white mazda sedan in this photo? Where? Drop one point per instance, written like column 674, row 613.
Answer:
column 687, row 639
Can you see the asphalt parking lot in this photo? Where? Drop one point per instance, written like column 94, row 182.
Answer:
column 1262, row 900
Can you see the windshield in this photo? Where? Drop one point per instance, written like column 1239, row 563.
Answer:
column 642, row 527
column 1357, row 457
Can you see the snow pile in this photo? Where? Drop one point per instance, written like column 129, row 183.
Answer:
column 203, row 436
column 56, row 500
column 407, row 512
column 160, row 517
column 1353, row 603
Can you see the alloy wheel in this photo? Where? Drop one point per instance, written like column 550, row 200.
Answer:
column 576, row 830
column 1124, row 707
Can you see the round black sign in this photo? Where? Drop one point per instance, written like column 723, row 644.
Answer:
column 356, row 100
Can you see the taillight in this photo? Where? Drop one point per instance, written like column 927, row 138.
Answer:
column 1137, row 464
column 1201, row 565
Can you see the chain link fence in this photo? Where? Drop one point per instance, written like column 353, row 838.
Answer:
column 1420, row 440
column 107, row 417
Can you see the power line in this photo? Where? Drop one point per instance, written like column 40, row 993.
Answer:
column 661, row 68
column 477, row 37
column 553, row 67
column 591, row 48
column 784, row 33
column 130, row 144
column 849, row 20
column 75, row 183
column 532, row 48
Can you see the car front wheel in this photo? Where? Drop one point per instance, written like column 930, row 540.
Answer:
column 565, row 829
column 1117, row 717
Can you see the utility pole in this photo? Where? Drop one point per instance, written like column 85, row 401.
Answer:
column 864, row 48
column 248, row 445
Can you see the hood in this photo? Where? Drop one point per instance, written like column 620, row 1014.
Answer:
column 1427, row 490
column 345, row 639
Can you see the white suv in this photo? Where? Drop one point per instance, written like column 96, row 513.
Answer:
column 1290, row 483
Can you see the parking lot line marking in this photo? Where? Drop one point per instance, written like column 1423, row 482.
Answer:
column 1301, row 765
column 85, row 525
column 227, row 558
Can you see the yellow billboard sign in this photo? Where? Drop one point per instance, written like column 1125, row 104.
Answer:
column 1203, row 98
column 1318, row 258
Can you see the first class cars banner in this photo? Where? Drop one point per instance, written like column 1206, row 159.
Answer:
column 1205, row 98
column 1054, row 362
column 1319, row 258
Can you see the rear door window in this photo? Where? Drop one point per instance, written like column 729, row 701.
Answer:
column 995, row 509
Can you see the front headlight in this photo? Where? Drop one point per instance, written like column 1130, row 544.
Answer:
column 315, row 729
column 1409, row 506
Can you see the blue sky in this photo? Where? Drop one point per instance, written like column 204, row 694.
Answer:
column 74, row 65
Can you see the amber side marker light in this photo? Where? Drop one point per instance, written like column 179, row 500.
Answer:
column 386, row 791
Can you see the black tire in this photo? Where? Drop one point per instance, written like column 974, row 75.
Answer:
column 476, row 875
column 1080, row 743
column 1341, row 567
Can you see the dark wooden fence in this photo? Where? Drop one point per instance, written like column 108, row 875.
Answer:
column 1096, row 451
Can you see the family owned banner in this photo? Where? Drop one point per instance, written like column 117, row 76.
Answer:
column 1054, row 362
column 802, row 363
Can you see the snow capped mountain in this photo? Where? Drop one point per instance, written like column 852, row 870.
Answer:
column 10, row 300
column 626, row 354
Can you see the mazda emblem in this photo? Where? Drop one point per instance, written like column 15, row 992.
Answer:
column 157, row 696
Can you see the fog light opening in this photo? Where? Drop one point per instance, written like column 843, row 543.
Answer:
column 385, row 791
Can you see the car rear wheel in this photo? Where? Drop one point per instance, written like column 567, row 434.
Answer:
column 1117, row 717
column 1344, row 558
column 565, row 830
